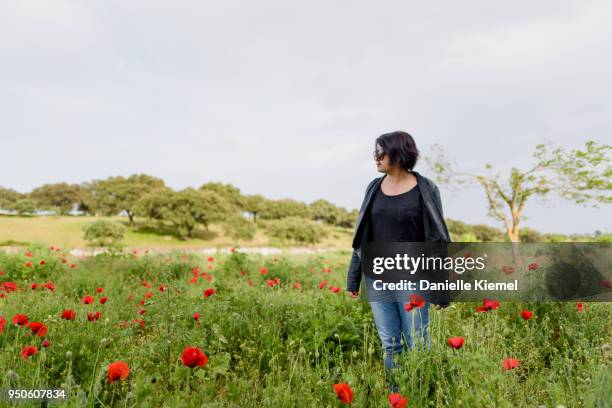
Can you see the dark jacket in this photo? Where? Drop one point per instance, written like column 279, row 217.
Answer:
column 433, row 221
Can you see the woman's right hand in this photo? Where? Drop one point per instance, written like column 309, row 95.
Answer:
column 354, row 295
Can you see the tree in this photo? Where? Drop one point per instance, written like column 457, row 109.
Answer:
column 323, row 210
column 584, row 176
column 104, row 232
column 230, row 193
column 24, row 206
column 58, row 197
column 116, row 194
column 184, row 209
column 8, row 198
column 276, row 209
column 296, row 229
column 254, row 204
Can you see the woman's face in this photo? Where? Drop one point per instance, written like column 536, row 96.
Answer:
column 381, row 159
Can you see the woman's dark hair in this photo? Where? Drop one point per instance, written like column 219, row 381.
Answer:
column 400, row 147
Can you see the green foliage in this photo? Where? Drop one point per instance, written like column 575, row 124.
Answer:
column 24, row 206
column 59, row 197
column 296, row 229
column 116, row 194
column 238, row 227
column 230, row 193
column 8, row 198
column 276, row 209
column 185, row 210
column 103, row 232
column 254, row 204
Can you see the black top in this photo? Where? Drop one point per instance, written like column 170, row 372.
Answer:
column 397, row 218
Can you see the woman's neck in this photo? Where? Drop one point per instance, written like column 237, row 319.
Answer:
column 398, row 176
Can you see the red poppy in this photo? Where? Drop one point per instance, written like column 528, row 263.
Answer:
column 193, row 357
column 533, row 266
column 118, row 370
column 28, row 264
column 103, row 300
column 161, row 288
column 263, row 270
column 209, row 292
column 510, row 363
column 46, row 343
column 507, row 269
column 28, row 254
column 28, row 351
column 142, row 311
column 456, row 342
column 579, row 306
column 72, row 266
column 397, row 400
column 250, row 282
column 39, row 328
column 526, row 314
column 87, row 299
column 417, row 300
column 2, row 323
column 50, row 286
column 335, row 289
column 20, row 319
column 210, row 259
column 68, row 314
column 297, row 285
column 42, row 262
column 9, row 286
column 344, row 392
column 322, row 284
column 481, row 309
column 491, row 304
column 196, row 316
column 99, row 290
column 34, row 286
column 148, row 295
column 92, row 317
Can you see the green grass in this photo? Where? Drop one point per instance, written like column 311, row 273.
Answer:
column 66, row 232
column 282, row 346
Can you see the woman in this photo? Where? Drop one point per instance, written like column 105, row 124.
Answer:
column 401, row 206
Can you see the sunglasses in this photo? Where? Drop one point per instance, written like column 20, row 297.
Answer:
column 379, row 154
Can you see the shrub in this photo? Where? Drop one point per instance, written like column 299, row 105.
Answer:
column 103, row 232
column 296, row 229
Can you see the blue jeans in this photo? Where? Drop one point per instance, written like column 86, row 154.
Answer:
column 393, row 323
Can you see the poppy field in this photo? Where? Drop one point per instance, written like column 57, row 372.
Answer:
column 139, row 329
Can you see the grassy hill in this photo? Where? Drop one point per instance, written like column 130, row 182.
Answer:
column 67, row 232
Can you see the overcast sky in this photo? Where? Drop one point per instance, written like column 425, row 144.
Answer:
column 286, row 98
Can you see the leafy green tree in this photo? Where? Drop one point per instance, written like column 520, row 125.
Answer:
column 323, row 210
column 24, row 206
column 296, row 229
column 584, row 176
column 230, row 193
column 184, row 209
column 254, row 204
column 58, row 197
column 8, row 198
column 103, row 232
column 116, row 194
column 276, row 209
